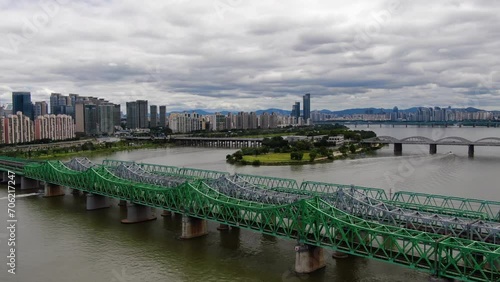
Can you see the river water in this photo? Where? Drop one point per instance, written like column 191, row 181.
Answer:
column 59, row 241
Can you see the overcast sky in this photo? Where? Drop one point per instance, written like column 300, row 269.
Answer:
column 250, row 55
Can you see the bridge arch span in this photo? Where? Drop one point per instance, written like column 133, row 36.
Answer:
column 454, row 139
column 488, row 140
column 388, row 139
column 418, row 139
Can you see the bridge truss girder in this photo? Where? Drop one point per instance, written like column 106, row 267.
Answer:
column 313, row 221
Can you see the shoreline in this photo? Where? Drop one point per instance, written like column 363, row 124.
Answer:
column 337, row 155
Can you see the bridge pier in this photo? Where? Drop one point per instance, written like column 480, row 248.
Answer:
column 122, row 203
column 138, row 213
column 432, row 149
column 440, row 279
column 193, row 227
column 5, row 177
column 339, row 255
column 96, row 202
column 223, row 227
column 308, row 258
column 28, row 183
column 398, row 149
column 166, row 213
column 53, row 190
column 471, row 151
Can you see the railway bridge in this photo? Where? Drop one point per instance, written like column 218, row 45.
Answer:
column 450, row 238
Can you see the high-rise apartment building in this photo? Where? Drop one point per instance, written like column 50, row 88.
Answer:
column 264, row 120
column 137, row 114
column 153, row 116
column 21, row 102
column 16, row 128
column 91, row 119
column 163, row 116
column 41, row 109
column 105, row 118
column 143, row 113
column 307, row 107
column 60, row 127
column 185, row 122
column 117, row 115
column 132, row 115
column 296, row 110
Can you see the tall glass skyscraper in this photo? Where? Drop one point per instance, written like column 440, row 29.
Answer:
column 307, row 107
column 21, row 102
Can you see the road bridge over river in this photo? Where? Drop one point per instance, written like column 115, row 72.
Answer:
column 448, row 237
column 421, row 140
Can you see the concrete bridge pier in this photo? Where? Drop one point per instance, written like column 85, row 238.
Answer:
column 223, row 227
column 339, row 255
column 440, row 279
column 28, row 183
column 5, row 177
column 53, row 190
column 432, row 149
column 14, row 180
column 398, row 149
column 122, row 203
column 166, row 213
column 308, row 258
column 193, row 227
column 96, row 202
column 138, row 213
column 471, row 151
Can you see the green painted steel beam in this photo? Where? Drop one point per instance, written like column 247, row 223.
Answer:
column 490, row 208
column 323, row 187
column 270, row 182
column 312, row 221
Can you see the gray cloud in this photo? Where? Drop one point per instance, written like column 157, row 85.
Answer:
column 252, row 55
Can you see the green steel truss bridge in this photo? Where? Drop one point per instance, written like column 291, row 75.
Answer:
column 448, row 237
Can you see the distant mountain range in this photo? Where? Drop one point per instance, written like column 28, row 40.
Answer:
column 339, row 113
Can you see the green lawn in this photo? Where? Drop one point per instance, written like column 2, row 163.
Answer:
column 275, row 158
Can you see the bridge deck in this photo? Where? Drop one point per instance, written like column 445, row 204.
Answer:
column 310, row 220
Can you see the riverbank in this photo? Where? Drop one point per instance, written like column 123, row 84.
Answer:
column 89, row 150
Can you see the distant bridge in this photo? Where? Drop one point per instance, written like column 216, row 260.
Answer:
column 421, row 140
column 227, row 142
column 483, row 123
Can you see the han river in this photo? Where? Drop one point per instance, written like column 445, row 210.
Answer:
column 58, row 241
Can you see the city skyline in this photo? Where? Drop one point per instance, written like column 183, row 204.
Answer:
column 183, row 55
column 300, row 105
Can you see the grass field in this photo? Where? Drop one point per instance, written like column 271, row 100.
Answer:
column 273, row 158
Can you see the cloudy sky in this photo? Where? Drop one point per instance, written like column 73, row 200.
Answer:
column 250, row 55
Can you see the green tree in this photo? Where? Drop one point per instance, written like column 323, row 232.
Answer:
column 312, row 156
column 352, row 148
column 256, row 163
column 296, row 156
column 238, row 155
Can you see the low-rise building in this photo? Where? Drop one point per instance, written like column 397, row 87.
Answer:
column 338, row 140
